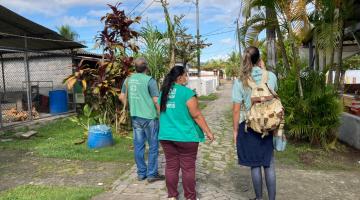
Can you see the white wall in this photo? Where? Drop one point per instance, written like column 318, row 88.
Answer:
column 204, row 85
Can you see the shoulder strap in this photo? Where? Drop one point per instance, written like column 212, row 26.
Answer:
column 264, row 76
column 251, row 82
column 264, row 79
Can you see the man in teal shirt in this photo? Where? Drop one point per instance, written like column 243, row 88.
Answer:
column 143, row 94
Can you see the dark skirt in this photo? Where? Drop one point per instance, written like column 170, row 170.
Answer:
column 252, row 149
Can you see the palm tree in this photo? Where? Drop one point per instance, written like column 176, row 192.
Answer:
column 155, row 50
column 345, row 11
column 232, row 68
column 171, row 33
column 326, row 31
column 67, row 32
column 278, row 14
column 329, row 30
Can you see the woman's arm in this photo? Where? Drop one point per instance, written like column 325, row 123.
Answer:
column 236, row 118
column 195, row 112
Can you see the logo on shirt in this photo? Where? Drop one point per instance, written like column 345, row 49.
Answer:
column 172, row 93
column 171, row 105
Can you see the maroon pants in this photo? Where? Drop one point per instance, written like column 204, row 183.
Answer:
column 180, row 155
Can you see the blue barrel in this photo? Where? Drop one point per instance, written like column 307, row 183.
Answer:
column 58, row 101
column 99, row 136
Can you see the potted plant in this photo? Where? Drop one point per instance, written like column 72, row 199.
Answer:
column 96, row 132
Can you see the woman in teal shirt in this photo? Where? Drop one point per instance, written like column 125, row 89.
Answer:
column 181, row 129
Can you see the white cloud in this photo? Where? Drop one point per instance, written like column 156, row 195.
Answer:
column 210, row 10
column 215, row 57
column 227, row 41
column 49, row 7
column 97, row 13
column 79, row 21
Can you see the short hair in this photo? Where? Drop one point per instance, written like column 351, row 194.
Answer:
column 141, row 65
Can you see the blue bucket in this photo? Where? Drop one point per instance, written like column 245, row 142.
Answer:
column 99, row 136
column 58, row 101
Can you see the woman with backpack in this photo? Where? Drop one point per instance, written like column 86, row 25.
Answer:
column 182, row 127
column 254, row 149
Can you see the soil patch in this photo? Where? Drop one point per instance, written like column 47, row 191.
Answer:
column 22, row 167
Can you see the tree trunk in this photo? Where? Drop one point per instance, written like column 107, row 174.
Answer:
column 282, row 47
column 295, row 52
column 331, row 68
column 317, row 58
column 185, row 62
column 298, row 69
column 171, row 34
column 324, row 60
column 311, row 54
column 270, row 39
column 339, row 55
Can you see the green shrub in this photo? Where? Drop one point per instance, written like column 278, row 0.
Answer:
column 316, row 117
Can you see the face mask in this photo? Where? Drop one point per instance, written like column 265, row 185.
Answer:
column 186, row 80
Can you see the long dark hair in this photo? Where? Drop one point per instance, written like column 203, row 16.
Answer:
column 251, row 57
column 168, row 83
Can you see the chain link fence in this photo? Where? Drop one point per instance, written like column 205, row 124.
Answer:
column 24, row 99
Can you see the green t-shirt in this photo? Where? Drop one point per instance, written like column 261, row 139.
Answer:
column 176, row 123
column 140, row 101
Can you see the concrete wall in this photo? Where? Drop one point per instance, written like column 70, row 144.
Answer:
column 53, row 69
column 205, row 85
column 348, row 51
column 349, row 131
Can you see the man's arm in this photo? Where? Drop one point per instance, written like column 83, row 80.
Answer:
column 122, row 96
column 154, row 93
column 236, row 119
column 155, row 100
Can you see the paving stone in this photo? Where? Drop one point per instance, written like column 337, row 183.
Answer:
column 210, row 186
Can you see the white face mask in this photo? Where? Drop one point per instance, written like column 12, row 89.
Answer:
column 186, row 79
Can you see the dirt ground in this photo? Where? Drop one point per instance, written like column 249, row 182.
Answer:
column 18, row 168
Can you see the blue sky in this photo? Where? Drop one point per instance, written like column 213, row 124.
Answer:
column 216, row 16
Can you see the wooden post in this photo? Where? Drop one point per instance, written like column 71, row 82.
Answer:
column 27, row 77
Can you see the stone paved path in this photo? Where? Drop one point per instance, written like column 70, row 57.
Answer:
column 220, row 178
column 213, row 159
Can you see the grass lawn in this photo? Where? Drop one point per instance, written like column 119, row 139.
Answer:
column 30, row 192
column 304, row 156
column 203, row 100
column 56, row 140
column 210, row 97
column 202, row 105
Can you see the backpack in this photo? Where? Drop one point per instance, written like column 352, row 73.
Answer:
column 266, row 113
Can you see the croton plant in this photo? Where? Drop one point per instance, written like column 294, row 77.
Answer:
column 101, row 84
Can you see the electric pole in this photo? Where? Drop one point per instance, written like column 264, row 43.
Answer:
column 198, row 36
column 238, row 37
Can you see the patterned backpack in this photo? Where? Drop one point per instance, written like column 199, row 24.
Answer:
column 266, row 112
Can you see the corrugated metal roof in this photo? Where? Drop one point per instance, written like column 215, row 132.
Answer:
column 14, row 27
column 56, row 53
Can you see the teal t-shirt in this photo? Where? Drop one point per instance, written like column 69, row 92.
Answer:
column 240, row 94
column 140, row 101
column 176, row 123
